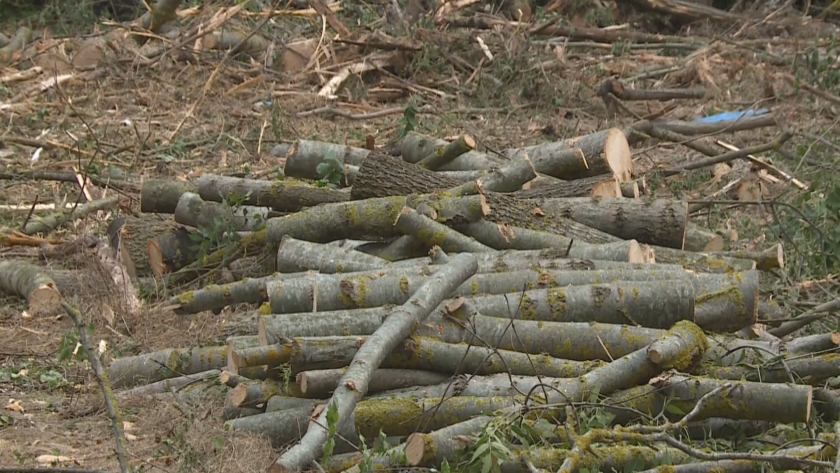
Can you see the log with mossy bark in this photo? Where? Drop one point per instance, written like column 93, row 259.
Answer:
column 765, row 260
column 320, row 383
column 813, row 369
column 428, row 231
column 726, row 301
column 744, row 400
column 654, row 221
column 445, row 154
column 624, row 372
column 31, row 283
column 49, row 223
column 416, row 353
column 283, row 196
column 565, row 162
column 596, row 186
column 606, row 151
column 196, row 212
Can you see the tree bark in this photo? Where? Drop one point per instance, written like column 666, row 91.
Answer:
column 317, row 384
column 698, row 238
column 596, row 186
column 703, row 262
column 167, row 385
column 31, row 283
column 324, row 223
column 295, row 255
column 282, row 196
column 814, row 370
column 430, row 232
column 416, row 146
column 506, row 179
column 655, row 221
column 606, row 152
column 252, row 394
column 771, row 258
column 195, row 212
column 445, row 154
column 381, row 176
column 304, row 156
column 354, row 384
column 159, row 365
column 161, row 196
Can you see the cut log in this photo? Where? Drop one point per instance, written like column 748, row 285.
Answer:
column 283, row 196
column 655, row 221
column 700, row 239
column 321, row 383
column 631, row 189
column 710, row 263
column 195, row 212
column 354, row 384
column 596, row 186
column 506, row 179
column 161, row 196
column 295, row 255
column 398, row 249
column 446, row 154
column 167, row 385
column 31, row 283
column 254, row 393
column 171, row 251
column 606, row 152
column 743, row 401
column 354, row 220
column 416, row 146
column 381, row 176
column 814, row 369
column 766, row 260
column 159, row 365
column 432, row 233
column 136, row 235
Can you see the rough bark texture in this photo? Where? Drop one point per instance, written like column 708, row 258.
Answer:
column 354, row 384
column 655, row 221
column 32, row 283
column 136, row 235
column 382, row 176
column 416, row 146
column 304, row 156
column 446, row 154
column 172, row 384
column 283, row 196
column 171, row 251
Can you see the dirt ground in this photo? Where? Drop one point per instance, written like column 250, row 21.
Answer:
column 151, row 120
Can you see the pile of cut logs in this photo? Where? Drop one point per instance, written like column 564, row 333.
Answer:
column 420, row 297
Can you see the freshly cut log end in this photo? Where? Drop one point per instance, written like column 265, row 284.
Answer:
column 630, row 190
column 609, row 188
column 780, row 257
column 44, row 299
column 156, row 263
column 302, row 382
column 415, row 449
column 648, row 255
column 239, row 395
column 636, row 254
column 701, row 239
column 618, row 155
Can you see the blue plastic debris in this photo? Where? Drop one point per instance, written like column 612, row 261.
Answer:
column 731, row 116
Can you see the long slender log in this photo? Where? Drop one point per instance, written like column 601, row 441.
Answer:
column 159, row 365
column 161, row 196
column 397, row 249
column 53, row 221
column 694, row 128
column 323, row 382
column 596, row 186
column 814, row 369
column 192, row 210
column 295, row 255
column 446, row 154
column 730, row 156
column 324, row 223
column 279, row 195
column 171, row 384
column 31, row 283
column 252, row 394
column 506, row 179
column 774, row 402
column 416, row 146
column 804, row 319
column 771, row 258
column 354, row 384
column 813, row 343
column 654, row 221
column 606, row 151
column 713, row 263
column 430, row 232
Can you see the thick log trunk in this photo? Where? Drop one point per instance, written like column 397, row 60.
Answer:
column 31, row 283
column 283, row 196
column 655, row 221
column 814, row 369
column 136, row 236
column 381, row 176
column 254, row 393
column 698, row 238
column 606, row 152
column 161, row 196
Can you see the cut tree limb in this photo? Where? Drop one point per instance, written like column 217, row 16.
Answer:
column 354, row 384
column 430, row 232
column 192, row 210
column 655, row 221
column 52, row 222
column 700, row 239
column 31, row 283
column 606, row 152
column 446, row 154
column 316, row 384
column 283, row 196
column 162, row 196
column 596, row 186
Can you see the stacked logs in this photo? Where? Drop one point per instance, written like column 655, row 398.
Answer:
column 427, row 293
